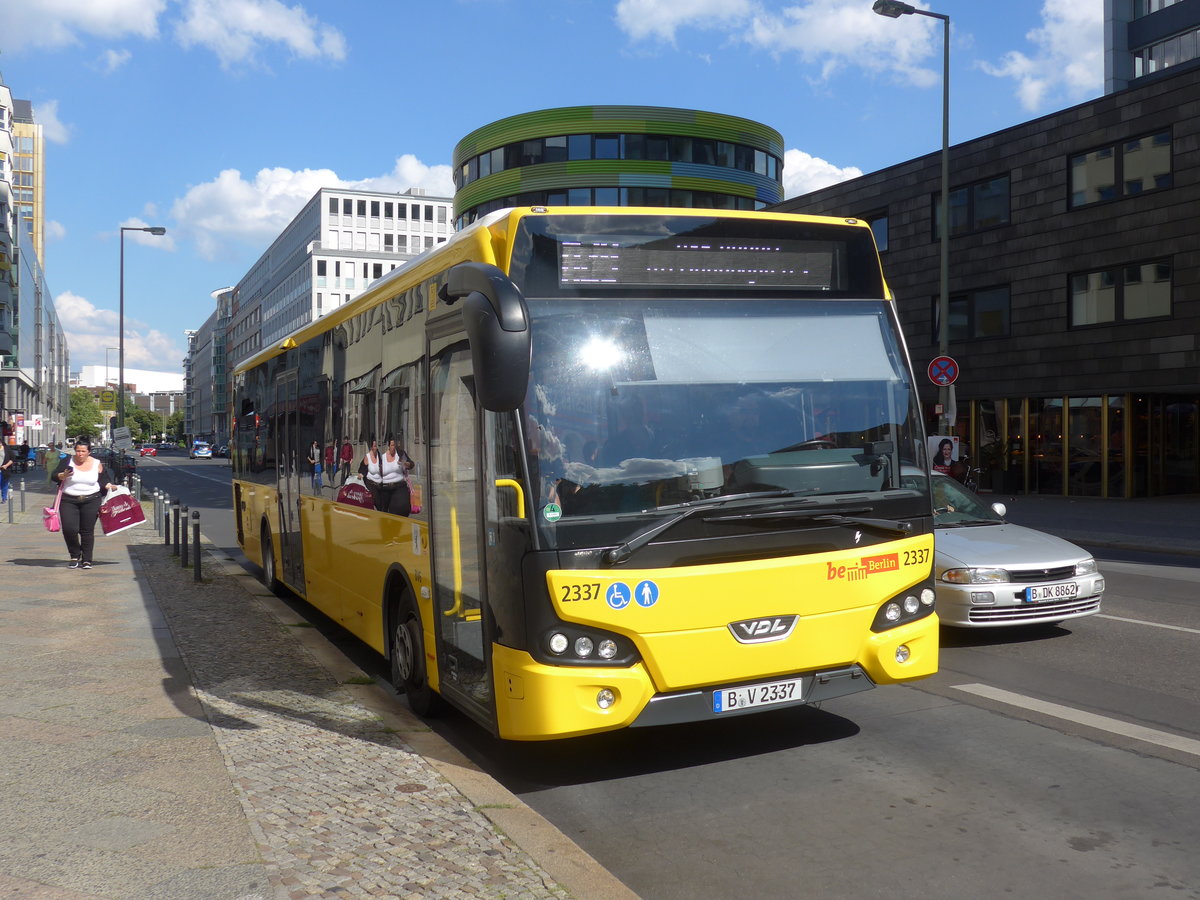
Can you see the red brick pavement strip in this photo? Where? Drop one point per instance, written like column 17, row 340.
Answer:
column 265, row 774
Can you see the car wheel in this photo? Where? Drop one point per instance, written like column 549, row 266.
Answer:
column 406, row 652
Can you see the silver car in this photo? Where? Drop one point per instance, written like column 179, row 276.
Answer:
column 989, row 572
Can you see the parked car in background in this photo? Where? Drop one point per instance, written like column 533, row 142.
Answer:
column 149, row 450
column 200, row 450
column 989, row 572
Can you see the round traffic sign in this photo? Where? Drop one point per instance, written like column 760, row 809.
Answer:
column 943, row 370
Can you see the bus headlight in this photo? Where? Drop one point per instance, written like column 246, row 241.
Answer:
column 913, row 604
column 567, row 644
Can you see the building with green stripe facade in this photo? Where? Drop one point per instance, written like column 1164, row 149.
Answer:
column 617, row 156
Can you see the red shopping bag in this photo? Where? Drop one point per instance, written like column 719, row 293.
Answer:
column 120, row 511
column 356, row 493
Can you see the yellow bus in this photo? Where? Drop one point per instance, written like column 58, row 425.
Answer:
column 646, row 471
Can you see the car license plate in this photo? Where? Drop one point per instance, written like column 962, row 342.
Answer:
column 750, row 696
column 1064, row 591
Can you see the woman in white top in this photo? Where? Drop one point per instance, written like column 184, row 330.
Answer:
column 386, row 476
column 84, row 482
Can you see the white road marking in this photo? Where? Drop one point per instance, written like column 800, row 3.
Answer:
column 1091, row 720
column 1151, row 624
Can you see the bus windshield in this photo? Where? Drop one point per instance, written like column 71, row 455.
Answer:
column 638, row 405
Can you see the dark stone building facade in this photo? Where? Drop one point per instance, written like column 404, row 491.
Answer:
column 1074, row 289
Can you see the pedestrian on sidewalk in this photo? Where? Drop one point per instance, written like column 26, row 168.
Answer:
column 7, row 458
column 84, row 481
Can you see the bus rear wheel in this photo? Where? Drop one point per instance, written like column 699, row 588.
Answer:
column 270, row 579
column 407, row 657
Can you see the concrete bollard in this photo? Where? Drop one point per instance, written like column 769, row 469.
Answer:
column 175, row 526
column 196, row 545
column 183, row 547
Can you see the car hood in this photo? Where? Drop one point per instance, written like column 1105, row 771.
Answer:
column 1003, row 546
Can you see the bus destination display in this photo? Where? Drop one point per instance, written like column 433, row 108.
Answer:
column 706, row 263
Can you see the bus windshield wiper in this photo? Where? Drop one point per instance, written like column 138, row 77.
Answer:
column 642, row 537
column 847, row 517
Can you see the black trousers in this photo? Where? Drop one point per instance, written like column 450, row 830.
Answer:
column 392, row 498
column 78, row 516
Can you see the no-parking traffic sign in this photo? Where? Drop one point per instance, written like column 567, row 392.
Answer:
column 943, row 371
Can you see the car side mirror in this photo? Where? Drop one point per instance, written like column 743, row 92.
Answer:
column 999, row 509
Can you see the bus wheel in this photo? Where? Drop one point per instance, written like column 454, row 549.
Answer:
column 407, row 657
column 268, row 562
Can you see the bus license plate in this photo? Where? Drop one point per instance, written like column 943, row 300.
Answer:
column 750, row 696
column 1051, row 592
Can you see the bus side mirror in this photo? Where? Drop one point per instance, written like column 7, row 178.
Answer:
column 497, row 323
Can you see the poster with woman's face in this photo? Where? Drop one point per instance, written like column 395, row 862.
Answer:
column 943, row 452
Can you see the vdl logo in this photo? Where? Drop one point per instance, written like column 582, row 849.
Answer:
column 759, row 631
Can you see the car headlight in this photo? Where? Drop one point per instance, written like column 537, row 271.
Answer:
column 975, row 576
column 1087, row 567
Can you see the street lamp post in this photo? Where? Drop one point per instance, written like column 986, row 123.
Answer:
column 153, row 229
column 108, row 386
column 893, row 9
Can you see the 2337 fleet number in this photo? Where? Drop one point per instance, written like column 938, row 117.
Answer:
column 580, row 592
column 916, row 557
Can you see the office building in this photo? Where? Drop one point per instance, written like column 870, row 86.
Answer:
column 1074, row 289
column 340, row 242
column 34, row 360
column 617, row 156
column 1146, row 39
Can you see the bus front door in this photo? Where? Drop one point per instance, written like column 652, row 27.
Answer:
column 287, row 477
column 464, row 658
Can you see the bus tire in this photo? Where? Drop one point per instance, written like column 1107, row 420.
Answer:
column 269, row 573
column 406, row 654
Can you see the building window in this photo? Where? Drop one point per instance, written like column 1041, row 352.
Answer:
column 975, row 207
column 1123, row 170
column 1121, row 294
column 977, row 314
column 1174, row 50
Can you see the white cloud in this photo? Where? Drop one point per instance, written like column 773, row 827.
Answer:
column 60, row 23
column 55, row 231
column 231, row 210
column 803, row 173
column 830, row 34
column 1068, row 61
column 46, row 115
column 661, row 18
column 111, row 60
column 236, row 29
column 835, row 33
column 91, row 331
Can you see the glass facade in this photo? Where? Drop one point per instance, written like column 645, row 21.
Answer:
column 1101, row 445
column 617, row 156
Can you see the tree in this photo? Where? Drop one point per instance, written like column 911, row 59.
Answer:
column 175, row 424
column 84, row 416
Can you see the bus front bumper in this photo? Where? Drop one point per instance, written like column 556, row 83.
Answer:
column 540, row 702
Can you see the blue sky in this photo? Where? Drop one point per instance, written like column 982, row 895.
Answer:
column 218, row 119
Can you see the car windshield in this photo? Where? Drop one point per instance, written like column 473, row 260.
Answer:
column 954, row 505
column 636, row 406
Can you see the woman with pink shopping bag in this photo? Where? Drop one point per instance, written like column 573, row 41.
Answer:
column 83, row 482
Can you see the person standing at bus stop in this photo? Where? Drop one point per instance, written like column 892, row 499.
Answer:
column 84, row 481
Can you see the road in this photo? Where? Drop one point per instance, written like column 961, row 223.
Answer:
column 1061, row 761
